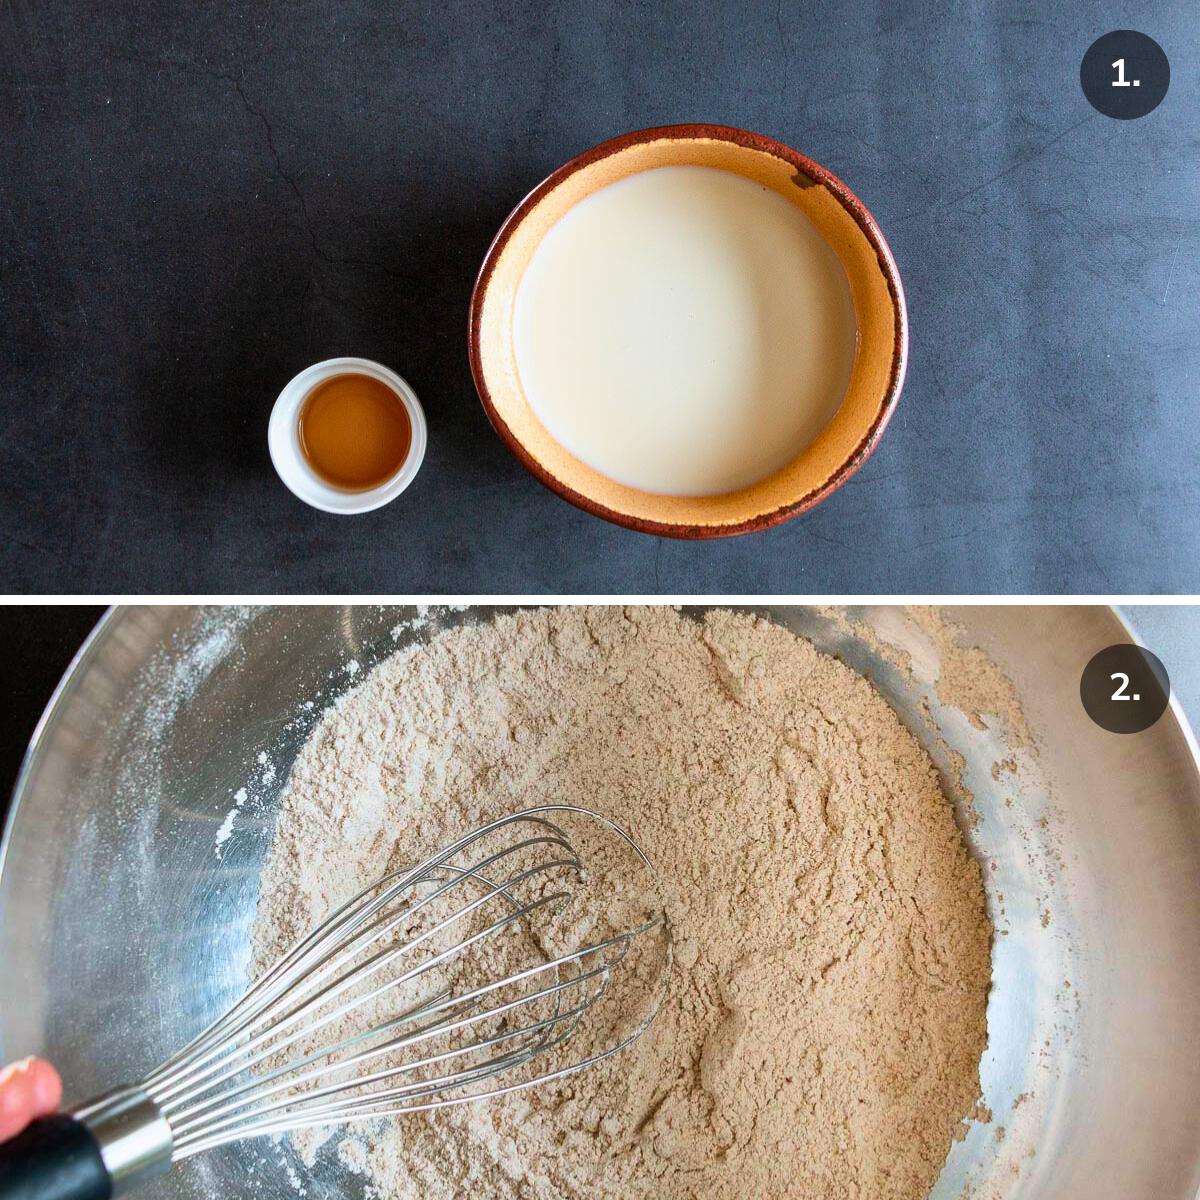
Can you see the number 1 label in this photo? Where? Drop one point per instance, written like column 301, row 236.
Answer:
column 1120, row 80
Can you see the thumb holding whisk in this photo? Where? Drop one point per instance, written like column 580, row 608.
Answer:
column 511, row 958
column 29, row 1089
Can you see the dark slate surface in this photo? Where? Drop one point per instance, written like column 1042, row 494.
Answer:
column 197, row 201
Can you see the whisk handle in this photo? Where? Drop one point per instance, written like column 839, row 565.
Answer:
column 105, row 1148
column 54, row 1158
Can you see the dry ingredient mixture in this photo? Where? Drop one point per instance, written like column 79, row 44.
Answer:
column 827, row 1013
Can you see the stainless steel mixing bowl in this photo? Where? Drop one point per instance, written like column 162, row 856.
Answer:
column 125, row 910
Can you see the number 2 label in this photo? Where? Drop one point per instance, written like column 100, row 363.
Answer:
column 1120, row 694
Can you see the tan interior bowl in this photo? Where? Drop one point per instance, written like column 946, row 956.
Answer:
column 841, row 447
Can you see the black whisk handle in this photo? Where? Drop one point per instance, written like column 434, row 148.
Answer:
column 54, row 1158
column 108, row 1147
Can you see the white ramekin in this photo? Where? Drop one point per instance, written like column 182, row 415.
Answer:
column 283, row 439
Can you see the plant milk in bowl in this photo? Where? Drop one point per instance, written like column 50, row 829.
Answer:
column 684, row 330
column 693, row 331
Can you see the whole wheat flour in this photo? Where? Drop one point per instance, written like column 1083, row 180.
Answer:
column 827, row 1012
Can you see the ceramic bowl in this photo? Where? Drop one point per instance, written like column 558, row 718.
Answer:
column 283, row 439
column 837, row 452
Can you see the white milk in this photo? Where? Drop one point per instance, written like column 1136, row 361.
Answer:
column 684, row 331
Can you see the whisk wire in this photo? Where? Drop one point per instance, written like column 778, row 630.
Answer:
column 260, row 1004
column 378, row 1103
column 253, row 1071
column 265, row 1044
column 261, row 1047
column 353, row 913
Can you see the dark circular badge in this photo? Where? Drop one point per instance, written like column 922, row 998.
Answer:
column 1125, row 689
column 1125, row 74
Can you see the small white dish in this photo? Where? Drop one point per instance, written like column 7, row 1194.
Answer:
column 283, row 439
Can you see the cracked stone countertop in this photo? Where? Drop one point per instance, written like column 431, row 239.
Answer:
column 196, row 201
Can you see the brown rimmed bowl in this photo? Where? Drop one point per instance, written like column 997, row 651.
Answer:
column 841, row 447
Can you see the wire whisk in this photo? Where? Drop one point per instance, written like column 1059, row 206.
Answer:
column 500, row 962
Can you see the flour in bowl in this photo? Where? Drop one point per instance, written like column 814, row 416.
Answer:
column 828, row 1007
